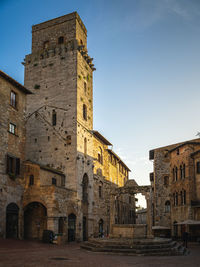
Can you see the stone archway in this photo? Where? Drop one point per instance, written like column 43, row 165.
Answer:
column 131, row 188
column 12, row 218
column 35, row 220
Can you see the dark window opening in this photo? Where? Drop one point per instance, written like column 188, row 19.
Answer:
column 166, row 180
column 13, row 165
column 100, row 191
column 198, row 167
column 151, row 176
column 85, row 87
column 54, row 181
column 61, row 40
column 84, row 112
column 54, row 118
column 167, row 206
column 31, row 180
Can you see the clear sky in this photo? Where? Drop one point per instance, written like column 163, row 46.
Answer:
column 147, row 55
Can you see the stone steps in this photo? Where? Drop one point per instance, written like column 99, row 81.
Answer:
column 127, row 247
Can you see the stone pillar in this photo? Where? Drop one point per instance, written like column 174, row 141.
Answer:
column 149, row 216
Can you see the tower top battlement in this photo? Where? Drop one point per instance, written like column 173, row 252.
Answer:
column 58, row 31
column 59, row 20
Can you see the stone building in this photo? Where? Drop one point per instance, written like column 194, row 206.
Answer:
column 175, row 182
column 68, row 168
column 12, row 153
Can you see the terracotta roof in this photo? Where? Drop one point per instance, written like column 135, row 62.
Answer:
column 114, row 154
column 101, row 138
column 14, row 82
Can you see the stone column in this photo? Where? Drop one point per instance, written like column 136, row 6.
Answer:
column 149, row 216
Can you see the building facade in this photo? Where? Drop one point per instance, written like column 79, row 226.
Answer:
column 175, row 183
column 69, row 168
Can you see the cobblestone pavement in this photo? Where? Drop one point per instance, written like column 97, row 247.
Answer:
column 27, row 253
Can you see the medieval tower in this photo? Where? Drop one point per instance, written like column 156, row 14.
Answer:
column 59, row 72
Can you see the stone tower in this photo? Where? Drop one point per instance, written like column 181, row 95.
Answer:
column 59, row 126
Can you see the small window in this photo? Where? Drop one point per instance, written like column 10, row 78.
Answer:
column 100, row 191
column 176, row 174
column 166, row 180
column 100, row 155
column 167, row 206
column 85, row 87
column 61, row 40
column 151, row 176
column 13, row 99
column 177, row 151
column 13, row 165
column 54, row 118
column 12, row 128
column 54, row 181
column 84, row 112
column 46, row 45
column 31, row 180
column 198, row 167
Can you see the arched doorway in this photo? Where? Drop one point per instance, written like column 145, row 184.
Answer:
column 35, row 220
column 101, row 228
column 71, row 227
column 12, row 216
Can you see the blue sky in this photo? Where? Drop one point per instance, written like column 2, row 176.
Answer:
column 147, row 55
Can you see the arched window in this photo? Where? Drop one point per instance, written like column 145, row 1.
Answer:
column 31, row 180
column 46, row 45
column 176, row 174
column 54, row 118
column 167, row 206
column 176, row 199
column 166, row 180
column 100, row 155
column 85, row 188
column 84, row 112
column 61, row 40
column 173, row 174
column 183, row 171
column 85, row 146
column 184, row 197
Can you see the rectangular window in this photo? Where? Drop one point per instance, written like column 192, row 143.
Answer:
column 100, row 192
column 13, row 165
column 13, row 99
column 198, row 167
column 54, row 182
column 12, row 128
